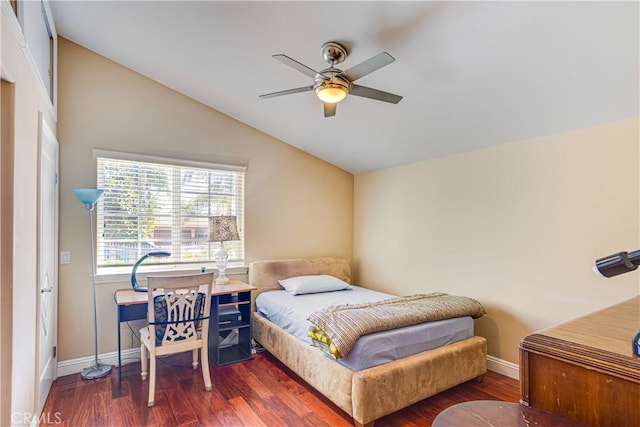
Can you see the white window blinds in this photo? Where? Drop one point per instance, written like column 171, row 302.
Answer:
column 156, row 204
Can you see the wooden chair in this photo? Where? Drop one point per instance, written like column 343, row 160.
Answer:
column 178, row 321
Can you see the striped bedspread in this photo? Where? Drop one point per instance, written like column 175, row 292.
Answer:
column 337, row 328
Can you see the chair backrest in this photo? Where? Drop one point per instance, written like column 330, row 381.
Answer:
column 178, row 307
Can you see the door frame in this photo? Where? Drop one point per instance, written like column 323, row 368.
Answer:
column 7, row 141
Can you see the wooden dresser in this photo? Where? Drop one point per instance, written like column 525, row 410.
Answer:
column 585, row 369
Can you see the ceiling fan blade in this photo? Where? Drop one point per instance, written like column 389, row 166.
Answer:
column 287, row 92
column 296, row 65
column 329, row 110
column 369, row 66
column 376, row 94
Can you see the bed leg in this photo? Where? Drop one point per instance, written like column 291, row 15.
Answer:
column 359, row 424
column 479, row 378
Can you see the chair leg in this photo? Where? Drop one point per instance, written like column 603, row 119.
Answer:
column 152, row 381
column 195, row 359
column 204, row 355
column 143, row 361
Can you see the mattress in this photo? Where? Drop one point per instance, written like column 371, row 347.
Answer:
column 290, row 313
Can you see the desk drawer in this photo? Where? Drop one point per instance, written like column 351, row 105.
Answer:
column 132, row 312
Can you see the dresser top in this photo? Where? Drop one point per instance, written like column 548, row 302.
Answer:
column 601, row 340
column 609, row 329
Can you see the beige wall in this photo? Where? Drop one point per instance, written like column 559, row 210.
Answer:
column 516, row 226
column 28, row 99
column 296, row 205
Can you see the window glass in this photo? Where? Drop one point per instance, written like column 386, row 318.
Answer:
column 163, row 207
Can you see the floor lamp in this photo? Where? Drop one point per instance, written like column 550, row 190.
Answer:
column 90, row 196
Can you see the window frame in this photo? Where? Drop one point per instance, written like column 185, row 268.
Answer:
column 237, row 267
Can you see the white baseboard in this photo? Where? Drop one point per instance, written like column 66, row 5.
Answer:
column 503, row 367
column 75, row 366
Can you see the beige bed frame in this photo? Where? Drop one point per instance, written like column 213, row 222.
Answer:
column 371, row 393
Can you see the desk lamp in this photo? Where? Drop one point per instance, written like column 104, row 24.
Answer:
column 134, row 280
column 222, row 228
column 89, row 197
column 616, row 264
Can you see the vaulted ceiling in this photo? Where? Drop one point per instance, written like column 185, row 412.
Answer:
column 472, row 74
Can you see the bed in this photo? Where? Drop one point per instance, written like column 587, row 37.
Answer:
column 370, row 393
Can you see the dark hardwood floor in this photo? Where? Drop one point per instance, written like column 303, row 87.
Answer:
column 259, row 392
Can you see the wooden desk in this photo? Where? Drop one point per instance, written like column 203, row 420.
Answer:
column 132, row 305
column 585, row 369
column 483, row 413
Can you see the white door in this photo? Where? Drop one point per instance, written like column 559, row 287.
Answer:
column 47, row 261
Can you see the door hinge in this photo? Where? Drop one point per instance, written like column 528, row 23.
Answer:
column 55, row 351
column 56, row 178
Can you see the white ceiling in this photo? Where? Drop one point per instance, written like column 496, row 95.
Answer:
column 473, row 74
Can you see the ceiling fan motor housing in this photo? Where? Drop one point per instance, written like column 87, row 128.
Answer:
column 331, row 77
column 334, row 53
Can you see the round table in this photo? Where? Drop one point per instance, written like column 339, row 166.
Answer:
column 495, row 413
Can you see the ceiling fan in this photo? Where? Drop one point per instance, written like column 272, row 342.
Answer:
column 332, row 85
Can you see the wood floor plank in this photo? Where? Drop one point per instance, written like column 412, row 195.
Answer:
column 59, row 405
column 282, row 410
column 162, row 412
column 245, row 413
column 181, row 407
column 249, row 377
column 82, row 412
column 335, row 418
column 294, row 404
column 272, row 420
column 257, row 392
column 200, row 404
column 125, row 414
column 138, row 395
column 216, row 401
column 330, row 418
column 102, row 401
column 230, row 418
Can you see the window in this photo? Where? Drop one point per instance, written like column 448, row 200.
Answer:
column 157, row 204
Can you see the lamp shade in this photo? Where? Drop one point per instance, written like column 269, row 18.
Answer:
column 88, row 196
column 223, row 228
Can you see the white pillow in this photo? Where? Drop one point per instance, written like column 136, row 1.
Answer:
column 313, row 284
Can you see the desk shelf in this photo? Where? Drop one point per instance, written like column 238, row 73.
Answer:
column 230, row 314
column 238, row 352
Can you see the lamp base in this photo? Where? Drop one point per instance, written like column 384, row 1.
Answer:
column 222, row 279
column 221, row 262
column 97, row 370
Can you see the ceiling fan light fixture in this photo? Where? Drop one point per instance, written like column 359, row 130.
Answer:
column 331, row 93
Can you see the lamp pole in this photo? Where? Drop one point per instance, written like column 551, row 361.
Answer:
column 90, row 197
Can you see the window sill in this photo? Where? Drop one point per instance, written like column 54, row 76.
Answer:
column 123, row 274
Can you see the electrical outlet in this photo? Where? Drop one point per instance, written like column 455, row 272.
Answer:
column 65, row 257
